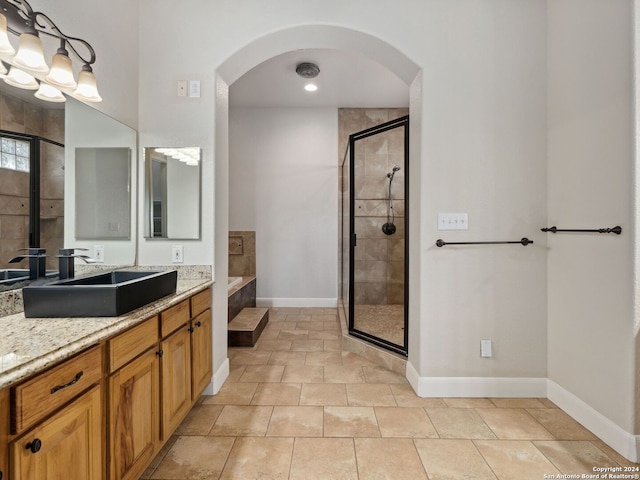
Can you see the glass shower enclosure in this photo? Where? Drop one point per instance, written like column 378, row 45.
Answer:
column 374, row 277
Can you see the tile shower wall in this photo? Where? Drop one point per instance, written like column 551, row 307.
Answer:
column 242, row 254
column 379, row 261
column 19, row 116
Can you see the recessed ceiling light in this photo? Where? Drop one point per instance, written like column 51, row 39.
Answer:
column 311, row 87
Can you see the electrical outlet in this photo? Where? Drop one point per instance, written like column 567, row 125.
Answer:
column 182, row 88
column 453, row 221
column 485, row 348
column 98, row 253
column 177, row 253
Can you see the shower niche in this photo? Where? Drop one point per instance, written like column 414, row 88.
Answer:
column 374, row 231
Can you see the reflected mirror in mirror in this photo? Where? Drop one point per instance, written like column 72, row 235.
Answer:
column 172, row 197
column 103, row 182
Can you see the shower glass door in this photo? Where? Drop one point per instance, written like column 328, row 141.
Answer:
column 378, row 293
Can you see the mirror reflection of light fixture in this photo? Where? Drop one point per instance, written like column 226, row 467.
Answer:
column 29, row 68
column 20, row 79
column 187, row 155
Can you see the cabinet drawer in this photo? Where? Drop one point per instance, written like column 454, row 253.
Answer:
column 128, row 345
column 173, row 318
column 52, row 388
column 200, row 302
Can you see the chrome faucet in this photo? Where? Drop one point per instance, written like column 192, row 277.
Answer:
column 66, row 263
column 37, row 262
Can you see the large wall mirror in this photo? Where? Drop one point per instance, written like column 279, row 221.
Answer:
column 38, row 142
column 173, row 195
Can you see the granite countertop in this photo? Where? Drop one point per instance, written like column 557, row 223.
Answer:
column 29, row 345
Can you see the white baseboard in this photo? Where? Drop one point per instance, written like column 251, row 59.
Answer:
column 297, row 302
column 623, row 442
column 219, row 378
column 514, row 387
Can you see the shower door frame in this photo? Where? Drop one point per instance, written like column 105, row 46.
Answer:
column 383, row 127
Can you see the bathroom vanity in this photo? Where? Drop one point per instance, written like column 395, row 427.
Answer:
column 96, row 398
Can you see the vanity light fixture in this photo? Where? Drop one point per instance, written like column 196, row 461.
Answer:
column 187, row 155
column 28, row 67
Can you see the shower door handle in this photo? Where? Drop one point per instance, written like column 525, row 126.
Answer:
column 354, row 240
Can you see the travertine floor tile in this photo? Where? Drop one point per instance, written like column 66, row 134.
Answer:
column 410, row 422
column 307, row 345
column 242, row 420
column 303, row 374
column 518, row 403
column 250, row 357
column 311, row 326
column 235, row 372
column 299, row 318
column 382, row 375
column 343, row 374
column 323, row 335
column 277, row 394
column 574, row 457
column 406, row 397
column 393, row 458
column 195, row 458
column 612, row 454
column 324, row 394
column 323, row 458
column 294, row 334
column 453, row 460
column 288, row 358
column 256, row 457
column 469, row 402
column 296, row 421
column 350, row 422
column 370, row 395
column 515, row 459
column 349, row 358
column 324, row 358
column 274, row 345
column 199, row 420
column 262, row 373
column 513, row 424
column 233, row 394
column 459, row 423
column 333, row 346
column 561, row 425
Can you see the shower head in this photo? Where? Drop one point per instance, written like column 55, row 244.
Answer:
column 393, row 172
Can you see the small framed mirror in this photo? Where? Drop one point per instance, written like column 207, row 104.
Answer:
column 173, row 194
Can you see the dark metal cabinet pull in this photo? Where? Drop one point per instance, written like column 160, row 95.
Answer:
column 190, row 329
column 72, row 382
column 159, row 353
column 34, row 445
column 198, row 324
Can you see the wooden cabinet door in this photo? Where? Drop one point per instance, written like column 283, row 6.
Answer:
column 201, row 355
column 134, row 421
column 175, row 379
column 4, row 434
column 66, row 446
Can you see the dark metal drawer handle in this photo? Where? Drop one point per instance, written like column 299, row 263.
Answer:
column 198, row 324
column 72, row 382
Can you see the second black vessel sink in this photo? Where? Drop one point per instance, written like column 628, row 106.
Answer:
column 103, row 295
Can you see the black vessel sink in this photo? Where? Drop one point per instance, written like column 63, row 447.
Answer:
column 9, row 276
column 104, row 295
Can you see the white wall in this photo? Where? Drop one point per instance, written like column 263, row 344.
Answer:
column 590, row 100
column 283, row 183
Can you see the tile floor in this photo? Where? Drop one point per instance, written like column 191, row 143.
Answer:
column 298, row 407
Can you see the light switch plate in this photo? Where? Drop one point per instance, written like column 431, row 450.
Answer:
column 98, row 253
column 194, row 88
column 453, row 221
column 485, row 348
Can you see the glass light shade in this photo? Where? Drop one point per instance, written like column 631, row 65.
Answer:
column 5, row 47
column 87, row 89
column 61, row 74
column 20, row 79
column 30, row 55
column 49, row 93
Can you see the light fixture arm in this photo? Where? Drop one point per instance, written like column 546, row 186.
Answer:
column 23, row 19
